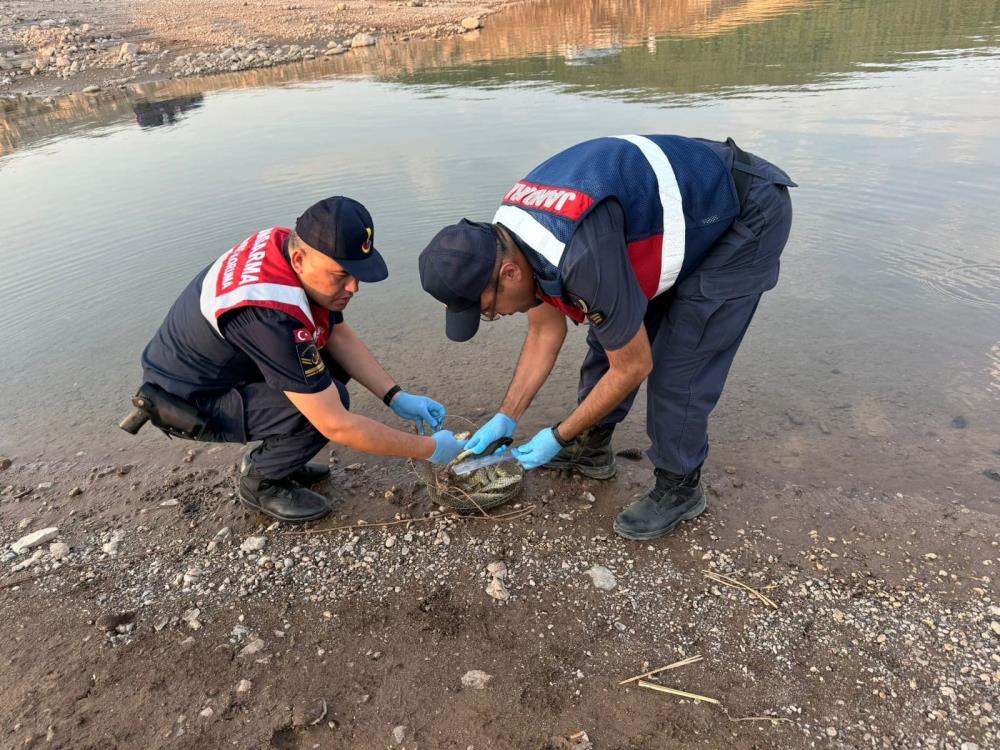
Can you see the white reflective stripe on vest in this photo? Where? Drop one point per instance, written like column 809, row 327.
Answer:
column 207, row 299
column 674, row 226
column 531, row 231
column 283, row 293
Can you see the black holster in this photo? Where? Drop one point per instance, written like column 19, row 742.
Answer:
column 174, row 416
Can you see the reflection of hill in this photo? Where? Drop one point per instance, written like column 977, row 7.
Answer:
column 690, row 47
column 629, row 48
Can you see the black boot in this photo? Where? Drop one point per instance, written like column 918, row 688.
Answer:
column 284, row 499
column 306, row 475
column 309, row 474
column 675, row 498
column 588, row 453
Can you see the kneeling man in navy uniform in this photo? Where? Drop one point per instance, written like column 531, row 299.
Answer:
column 256, row 349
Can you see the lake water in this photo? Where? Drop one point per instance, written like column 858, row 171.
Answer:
column 875, row 362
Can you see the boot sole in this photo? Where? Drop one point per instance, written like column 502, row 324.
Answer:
column 696, row 511
column 297, row 519
column 593, row 472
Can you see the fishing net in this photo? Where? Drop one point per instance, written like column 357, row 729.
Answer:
column 484, row 488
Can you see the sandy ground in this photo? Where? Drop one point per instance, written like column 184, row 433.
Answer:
column 54, row 47
column 173, row 618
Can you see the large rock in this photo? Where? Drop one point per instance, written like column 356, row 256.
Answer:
column 362, row 40
column 471, row 23
column 35, row 538
column 602, row 578
column 253, row 544
column 476, row 679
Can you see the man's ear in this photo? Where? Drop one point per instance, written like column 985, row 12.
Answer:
column 297, row 256
column 510, row 271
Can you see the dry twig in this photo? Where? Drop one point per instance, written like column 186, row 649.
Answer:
column 675, row 665
column 680, row 693
column 727, row 581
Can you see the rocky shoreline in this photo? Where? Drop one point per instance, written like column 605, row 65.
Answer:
column 871, row 622
column 43, row 53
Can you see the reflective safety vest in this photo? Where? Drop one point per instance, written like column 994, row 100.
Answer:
column 256, row 273
column 677, row 195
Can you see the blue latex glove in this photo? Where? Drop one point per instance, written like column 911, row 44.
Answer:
column 446, row 448
column 499, row 426
column 538, row 451
column 419, row 409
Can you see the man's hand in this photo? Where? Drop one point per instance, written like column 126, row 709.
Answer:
column 418, row 409
column 447, row 447
column 538, row 451
column 500, row 426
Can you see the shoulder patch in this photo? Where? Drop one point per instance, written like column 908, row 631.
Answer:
column 310, row 359
column 596, row 317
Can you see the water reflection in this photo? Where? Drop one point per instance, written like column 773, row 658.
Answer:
column 154, row 114
column 626, row 48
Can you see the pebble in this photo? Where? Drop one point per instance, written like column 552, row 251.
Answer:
column 497, row 569
column 442, row 538
column 476, row 679
column 253, row 544
column 171, row 503
column 91, row 89
column 602, row 578
column 588, row 497
column 206, row 713
column 244, row 686
column 110, row 548
column 75, row 491
column 995, row 627
column 5, row 463
column 399, row 734
column 471, row 23
column 35, row 538
column 24, row 523
column 255, row 646
column 390, row 541
column 58, row 550
column 831, row 732
column 45, row 485
column 497, row 590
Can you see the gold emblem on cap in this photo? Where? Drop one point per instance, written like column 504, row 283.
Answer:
column 367, row 246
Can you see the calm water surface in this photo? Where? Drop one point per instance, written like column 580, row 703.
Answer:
column 875, row 362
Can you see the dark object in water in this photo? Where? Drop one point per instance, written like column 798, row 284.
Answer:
column 993, row 474
column 960, row 423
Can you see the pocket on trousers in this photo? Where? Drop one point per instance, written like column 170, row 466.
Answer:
column 227, row 418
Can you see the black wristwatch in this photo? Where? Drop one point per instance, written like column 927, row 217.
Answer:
column 558, row 437
column 387, row 398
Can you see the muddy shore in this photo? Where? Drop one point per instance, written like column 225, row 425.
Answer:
column 62, row 47
column 157, row 596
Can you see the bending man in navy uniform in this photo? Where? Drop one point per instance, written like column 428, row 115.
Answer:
column 664, row 245
column 257, row 344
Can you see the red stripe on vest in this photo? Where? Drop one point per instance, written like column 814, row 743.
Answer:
column 570, row 204
column 646, row 260
column 574, row 312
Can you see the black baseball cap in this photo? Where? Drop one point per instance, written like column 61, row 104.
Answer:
column 342, row 229
column 455, row 268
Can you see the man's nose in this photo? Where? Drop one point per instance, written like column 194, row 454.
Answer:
column 352, row 285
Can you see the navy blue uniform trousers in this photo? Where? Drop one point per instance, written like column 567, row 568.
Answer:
column 256, row 411
column 696, row 327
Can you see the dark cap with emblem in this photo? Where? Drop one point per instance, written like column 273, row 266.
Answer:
column 342, row 229
column 455, row 268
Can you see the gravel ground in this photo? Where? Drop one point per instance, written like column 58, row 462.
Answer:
column 156, row 595
column 48, row 48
